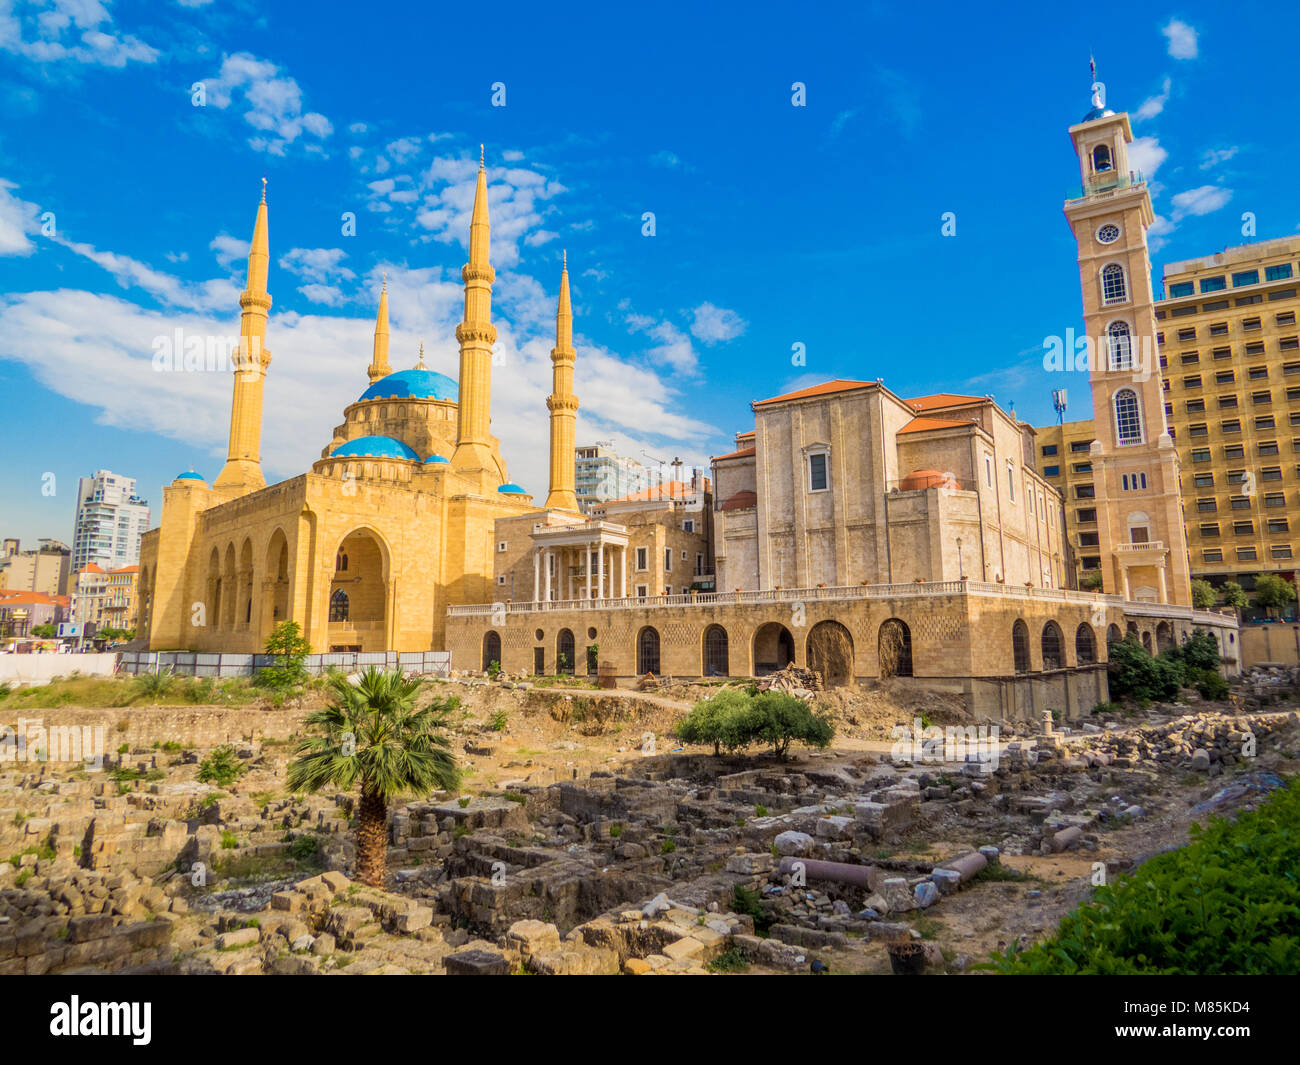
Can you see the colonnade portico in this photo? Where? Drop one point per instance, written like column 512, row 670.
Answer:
column 584, row 560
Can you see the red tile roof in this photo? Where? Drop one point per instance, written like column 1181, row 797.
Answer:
column 744, row 452
column 666, row 490
column 824, row 389
column 16, row 597
column 742, row 500
column 943, row 399
column 921, row 425
column 90, row 567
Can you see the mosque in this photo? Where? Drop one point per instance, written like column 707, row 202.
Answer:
column 393, row 524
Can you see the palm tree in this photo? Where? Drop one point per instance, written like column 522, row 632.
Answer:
column 373, row 737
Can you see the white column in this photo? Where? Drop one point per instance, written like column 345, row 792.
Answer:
column 537, row 574
column 600, row 571
column 587, row 548
column 1164, row 592
column 623, row 567
column 546, row 565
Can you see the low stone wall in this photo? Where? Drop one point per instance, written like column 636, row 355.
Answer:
column 1270, row 644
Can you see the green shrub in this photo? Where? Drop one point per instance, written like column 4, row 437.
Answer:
column 222, row 767
column 1226, row 903
column 734, row 720
column 1208, row 683
column 152, row 685
column 304, row 849
column 498, row 721
column 228, row 840
column 286, row 642
column 1135, row 673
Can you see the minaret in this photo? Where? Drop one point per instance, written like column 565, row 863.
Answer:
column 1134, row 464
column 243, row 469
column 562, row 403
column 379, row 363
column 476, row 335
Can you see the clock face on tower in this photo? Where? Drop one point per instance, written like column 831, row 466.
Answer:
column 1108, row 234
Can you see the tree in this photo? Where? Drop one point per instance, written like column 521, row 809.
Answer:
column 735, row 719
column 1272, row 593
column 780, row 718
column 287, row 644
column 372, row 737
column 1091, row 581
column 1203, row 595
column 1134, row 672
column 43, row 632
column 718, row 720
column 1234, row 595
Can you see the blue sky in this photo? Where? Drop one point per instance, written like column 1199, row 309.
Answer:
column 775, row 225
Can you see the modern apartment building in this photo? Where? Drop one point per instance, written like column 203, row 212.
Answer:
column 44, row 570
column 1230, row 359
column 602, row 475
column 106, row 598
column 111, row 518
column 1064, row 460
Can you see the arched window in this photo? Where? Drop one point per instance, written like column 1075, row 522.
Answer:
column 1085, row 644
column 894, row 647
column 1114, row 289
column 647, row 651
column 491, row 651
column 1113, row 637
column 341, row 562
column 1128, row 420
column 564, row 651
column 339, row 606
column 715, row 652
column 1119, row 346
column 1020, row 646
column 1101, row 158
column 1053, row 653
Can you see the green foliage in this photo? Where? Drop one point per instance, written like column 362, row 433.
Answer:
column 373, row 736
column 1135, row 673
column 1203, row 595
column 287, row 644
column 498, row 721
column 494, row 669
column 222, row 767
column 305, row 849
column 44, row 632
column 732, row 961
column 1273, row 593
column 1201, row 651
column 734, row 719
column 615, row 831
column 228, row 840
column 152, row 685
column 1227, row 903
column 1091, row 581
column 668, row 847
column 1209, row 683
column 1234, row 595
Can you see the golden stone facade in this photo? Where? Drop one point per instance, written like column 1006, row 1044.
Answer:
column 391, row 526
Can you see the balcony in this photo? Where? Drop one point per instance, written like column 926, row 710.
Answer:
column 1154, row 546
column 1107, row 184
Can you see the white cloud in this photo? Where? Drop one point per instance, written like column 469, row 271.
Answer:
column 229, row 250
column 131, row 273
column 713, row 324
column 1200, row 201
column 1146, row 156
column 272, row 102
column 1214, row 156
column 18, row 218
column 1182, row 39
column 321, row 265
column 1153, row 105
column 51, row 31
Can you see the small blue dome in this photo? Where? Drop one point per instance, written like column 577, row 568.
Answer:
column 1098, row 112
column 437, row 458
column 374, row 447
column 190, row 476
column 412, row 384
column 512, row 489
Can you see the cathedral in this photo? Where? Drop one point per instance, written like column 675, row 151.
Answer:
column 393, row 524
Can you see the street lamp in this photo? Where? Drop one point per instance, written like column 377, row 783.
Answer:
column 961, row 569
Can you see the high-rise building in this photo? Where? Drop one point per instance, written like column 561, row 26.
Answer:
column 111, row 518
column 44, row 570
column 601, row 475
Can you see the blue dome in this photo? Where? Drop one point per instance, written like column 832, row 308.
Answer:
column 412, row 384
column 512, row 489
column 437, row 458
column 374, row 447
column 1098, row 112
column 190, row 476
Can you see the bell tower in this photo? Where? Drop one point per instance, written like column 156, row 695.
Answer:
column 1134, row 462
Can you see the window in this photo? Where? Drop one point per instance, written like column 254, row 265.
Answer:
column 1277, row 273
column 1204, row 480
column 1108, row 234
column 501, row 579
column 1082, row 467
column 1189, row 358
column 1225, row 377
column 1227, row 402
column 1192, row 381
column 1210, row 529
column 1195, row 406
column 1276, row 525
column 1213, row 284
column 1258, row 373
column 688, row 525
column 1084, row 491
column 1120, row 343
column 685, row 557
column 1214, row 555
column 1101, row 160
column 1234, row 451
column 339, row 605
column 341, row 561
column 1280, row 551
column 1128, row 419
column 1268, row 447
column 988, row 463
column 1285, row 318
column 1232, row 425
column 1011, row 482
column 1271, row 473
column 668, row 560
column 1239, row 502
column 1080, row 445
column 1049, row 449
column 642, row 558
column 1275, row 499
column 1247, row 554
column 1088, row 514
column 1245, row 277
column 1199, row 429
column 1265, row 422
column 1218, row 329
column 1207, row 506
column 1114, row 289
column 1089, row 539
column 1243, row 528
column 501, row 547
column 1200, row 454
column 817, row 473
column 1250, row 323
column 1051, row 471
column 1181, row 288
